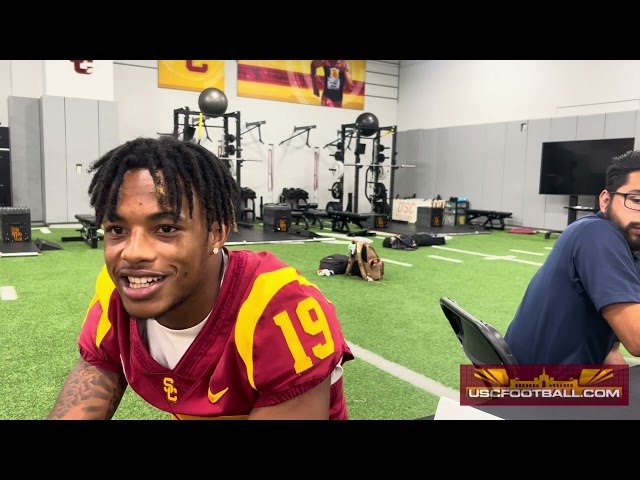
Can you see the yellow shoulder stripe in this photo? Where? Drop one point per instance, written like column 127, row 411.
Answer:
column 104, row 290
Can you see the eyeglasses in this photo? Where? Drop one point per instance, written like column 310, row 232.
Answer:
column 631, row 200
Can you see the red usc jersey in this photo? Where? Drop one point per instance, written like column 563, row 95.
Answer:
column 271, row 336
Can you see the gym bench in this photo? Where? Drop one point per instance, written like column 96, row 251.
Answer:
column 314, row 215
column 88, row 231
column 491, row 216
column 340, row 222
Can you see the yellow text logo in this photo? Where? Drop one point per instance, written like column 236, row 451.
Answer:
column 172, row 392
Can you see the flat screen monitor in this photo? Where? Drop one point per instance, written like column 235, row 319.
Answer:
column 578, row 167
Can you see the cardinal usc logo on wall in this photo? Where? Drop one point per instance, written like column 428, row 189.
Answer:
column 84, row 67
column 193, row 75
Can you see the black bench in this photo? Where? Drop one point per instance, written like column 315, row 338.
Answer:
column 88, row 231
column 340, row 222
column 302, row 209
column 312, row 214
column 491, row 215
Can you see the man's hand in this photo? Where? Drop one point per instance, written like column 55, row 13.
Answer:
column 614, row 357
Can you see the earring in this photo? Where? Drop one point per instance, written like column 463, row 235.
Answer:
column 215, row 250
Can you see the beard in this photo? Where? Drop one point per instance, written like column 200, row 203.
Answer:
column 633, row 240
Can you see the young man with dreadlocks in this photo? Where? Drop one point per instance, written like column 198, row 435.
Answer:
column 195, row 329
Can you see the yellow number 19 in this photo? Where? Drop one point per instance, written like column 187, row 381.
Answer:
column 302, row 361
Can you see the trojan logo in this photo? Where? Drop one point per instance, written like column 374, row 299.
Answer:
column 193, row 75
column 84, row 67
column 195, row 68
column 172, row 392
column 16, row 233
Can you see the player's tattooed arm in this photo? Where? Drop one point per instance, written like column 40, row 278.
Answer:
column 89, row 393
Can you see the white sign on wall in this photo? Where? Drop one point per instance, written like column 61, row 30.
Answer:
column 407, row 209
column 91, row 79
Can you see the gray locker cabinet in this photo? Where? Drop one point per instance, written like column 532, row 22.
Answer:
column 75, row 133
column 54, row 155
column 5, row 178
column 26, row 167
column 83, row 140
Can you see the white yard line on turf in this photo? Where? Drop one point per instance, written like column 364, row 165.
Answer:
column 339, row 242
column 446, row 259
column 449, row 249
column 416, row 379
column 395, row 262
column 508, row 258
column 528, row 253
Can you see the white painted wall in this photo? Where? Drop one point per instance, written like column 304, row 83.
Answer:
column 62, row 80
column 445, row 93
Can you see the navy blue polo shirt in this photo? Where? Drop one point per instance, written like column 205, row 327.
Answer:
column 559, row 321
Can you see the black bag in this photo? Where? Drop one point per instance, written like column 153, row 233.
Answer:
column 337, row 263
column 400, row 242
column 411, row 242
column 428, row 239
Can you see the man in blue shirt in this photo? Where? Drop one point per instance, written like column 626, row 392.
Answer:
column 585, row 299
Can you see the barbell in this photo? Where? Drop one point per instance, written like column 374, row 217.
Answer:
column 377, row 166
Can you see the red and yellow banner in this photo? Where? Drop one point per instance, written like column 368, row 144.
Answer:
column 193, row 75
column 338, row 83
column 493, row 385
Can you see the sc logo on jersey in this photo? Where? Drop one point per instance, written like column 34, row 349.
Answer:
column 172, row 392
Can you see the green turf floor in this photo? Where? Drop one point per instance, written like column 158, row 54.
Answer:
column 398, row 319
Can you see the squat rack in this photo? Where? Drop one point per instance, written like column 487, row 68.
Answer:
column 350, row 130
column 231, row 143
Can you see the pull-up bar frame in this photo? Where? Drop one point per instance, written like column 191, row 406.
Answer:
column 251, row 125
column 300, row 132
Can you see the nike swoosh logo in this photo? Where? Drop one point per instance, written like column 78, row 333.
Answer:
column 214, row 397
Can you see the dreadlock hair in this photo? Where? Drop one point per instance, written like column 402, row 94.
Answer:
column 184, row 165
column 619, row 169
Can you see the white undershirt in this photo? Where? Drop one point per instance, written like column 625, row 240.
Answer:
column 167, row 346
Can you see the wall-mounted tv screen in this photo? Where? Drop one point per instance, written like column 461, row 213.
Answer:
column 578, row 167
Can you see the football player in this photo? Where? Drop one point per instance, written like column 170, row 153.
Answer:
column 195, row 329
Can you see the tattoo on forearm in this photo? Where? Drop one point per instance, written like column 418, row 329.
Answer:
column 89, row 393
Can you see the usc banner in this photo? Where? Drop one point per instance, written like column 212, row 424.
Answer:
column 329, row 83
column 493, row 385
column 193, row 75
